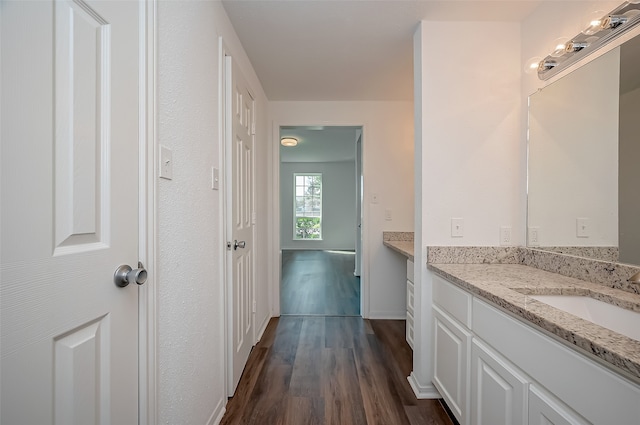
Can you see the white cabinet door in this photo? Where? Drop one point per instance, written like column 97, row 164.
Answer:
column 451, row 347
column 545, row 409
column 499, row 390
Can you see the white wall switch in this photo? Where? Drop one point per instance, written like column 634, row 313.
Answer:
column 215, row 178
column 583, row 229
column 534, row 236
column 166, row 163
column 374, row 198
column 387, row 214
column 457, row 227
column 505, row 235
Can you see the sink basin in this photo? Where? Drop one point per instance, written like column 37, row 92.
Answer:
column 618, row 319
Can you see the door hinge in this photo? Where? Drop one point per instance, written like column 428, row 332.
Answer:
column 253, row 129
column 254, row 306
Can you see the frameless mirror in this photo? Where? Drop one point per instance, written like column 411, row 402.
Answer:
column 584, row 160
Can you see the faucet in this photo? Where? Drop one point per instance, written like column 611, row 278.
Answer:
column 635, row 278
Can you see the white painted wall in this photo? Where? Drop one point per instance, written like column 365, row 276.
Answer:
column 190, row 288
column 468, row 120
column 471, row 132
column 338, row 204
column 387, row 161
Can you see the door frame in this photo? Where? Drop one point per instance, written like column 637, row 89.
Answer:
column 275, row 254
column 147, row 207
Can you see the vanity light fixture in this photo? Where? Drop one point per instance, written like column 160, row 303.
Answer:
column 602, row 29
column 289, row 142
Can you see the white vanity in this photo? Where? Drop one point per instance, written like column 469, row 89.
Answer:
column 501, row 357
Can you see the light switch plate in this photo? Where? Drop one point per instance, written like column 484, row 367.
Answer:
column 215, row 178
column 166, row 163
column 457, row 227
column 583, row 228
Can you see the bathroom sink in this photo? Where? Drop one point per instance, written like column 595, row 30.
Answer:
column 618, row 319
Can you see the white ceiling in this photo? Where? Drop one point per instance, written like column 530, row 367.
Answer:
column 320, row 144
column 346, row 49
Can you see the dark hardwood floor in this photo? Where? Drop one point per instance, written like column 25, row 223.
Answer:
column 330, row 370
column 319, row 283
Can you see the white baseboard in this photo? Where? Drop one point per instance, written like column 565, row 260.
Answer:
column 262, row 328
column 218, row 412
column 422, row 391
column 388, row 315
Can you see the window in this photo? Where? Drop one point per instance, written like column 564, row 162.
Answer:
column 307, row 206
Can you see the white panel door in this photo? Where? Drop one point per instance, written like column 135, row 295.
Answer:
column 69, row 214
column 242, row 123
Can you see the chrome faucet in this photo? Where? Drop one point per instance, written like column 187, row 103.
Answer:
column 635, row 278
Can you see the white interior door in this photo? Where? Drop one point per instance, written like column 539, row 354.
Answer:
column 241, row 122
column 69, row 214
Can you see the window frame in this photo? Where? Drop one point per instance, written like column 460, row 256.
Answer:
column 295, row 216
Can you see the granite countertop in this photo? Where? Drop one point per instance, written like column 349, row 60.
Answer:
column 401, row 242
column 403, row 247
column 510, row 286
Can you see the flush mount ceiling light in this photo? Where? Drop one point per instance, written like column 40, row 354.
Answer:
column 601, row 29
column 289, row 142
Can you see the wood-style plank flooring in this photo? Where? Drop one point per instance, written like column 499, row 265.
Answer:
column 319, row 283
column 330, row 370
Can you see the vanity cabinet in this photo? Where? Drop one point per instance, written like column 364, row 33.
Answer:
column 410, row 304
column 492, row 369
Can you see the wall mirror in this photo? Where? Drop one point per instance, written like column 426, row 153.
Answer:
column 584, row 160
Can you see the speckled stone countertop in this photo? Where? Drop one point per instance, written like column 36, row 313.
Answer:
column 401, row 242
column 508, row 286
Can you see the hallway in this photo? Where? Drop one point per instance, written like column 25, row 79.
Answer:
column 330, row 370
column 319, row 283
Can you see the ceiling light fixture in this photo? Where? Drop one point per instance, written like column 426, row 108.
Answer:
column 601, row 29
column 289, row 142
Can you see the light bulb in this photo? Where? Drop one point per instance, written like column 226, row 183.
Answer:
column 594, row 22
column 531, row 66
column 559, row 47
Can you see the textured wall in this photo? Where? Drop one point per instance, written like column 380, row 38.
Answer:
column 190, row 294
column 191, row 368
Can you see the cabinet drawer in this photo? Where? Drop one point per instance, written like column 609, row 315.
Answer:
column 410, row 270
column 410, row 298
column 453, row 300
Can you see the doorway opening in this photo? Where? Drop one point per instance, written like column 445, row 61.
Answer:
column 321, row 220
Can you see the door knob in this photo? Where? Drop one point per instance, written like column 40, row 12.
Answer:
column 125, row 275
column 240, row 244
